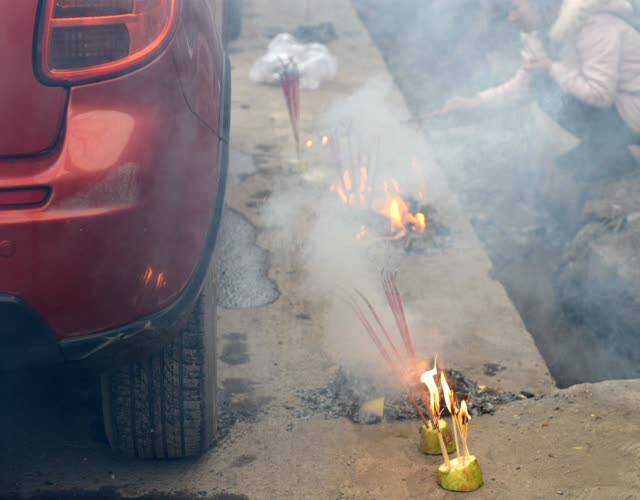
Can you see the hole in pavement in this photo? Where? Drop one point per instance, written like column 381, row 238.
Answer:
column 241, row 267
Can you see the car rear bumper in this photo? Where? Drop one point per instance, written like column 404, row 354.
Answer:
column 133, row 190
column 26, row 338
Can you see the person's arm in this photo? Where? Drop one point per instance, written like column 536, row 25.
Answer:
column 509, row 92
column 596, row 80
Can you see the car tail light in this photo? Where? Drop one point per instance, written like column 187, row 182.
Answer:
column 81, row 41
column 23, row 197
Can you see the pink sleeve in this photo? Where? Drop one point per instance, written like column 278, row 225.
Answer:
column 596, row 80
column 509, row 92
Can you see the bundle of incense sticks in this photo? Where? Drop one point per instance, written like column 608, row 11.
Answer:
column 290, row 81
column 404, row 365
column 462, row 473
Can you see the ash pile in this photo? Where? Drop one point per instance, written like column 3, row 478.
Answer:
column 347, row 395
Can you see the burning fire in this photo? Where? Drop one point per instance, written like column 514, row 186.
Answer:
column 462, row 473
column 356, row 187
column 459, row 412
column 428, row 378
column 356, row 191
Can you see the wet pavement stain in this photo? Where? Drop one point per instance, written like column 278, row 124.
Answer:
column 251, row 409
column 243, row 460
column 230, row 412
column 492, row 369
column 236, row 350
column 261, row 195
column 237, row 385
column 265, row 148
column 260, row 160
column 241, row 164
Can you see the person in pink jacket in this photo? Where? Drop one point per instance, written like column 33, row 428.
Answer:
column 581, row 63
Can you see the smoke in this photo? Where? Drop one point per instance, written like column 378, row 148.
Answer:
column 334, row 261
column 502, row 164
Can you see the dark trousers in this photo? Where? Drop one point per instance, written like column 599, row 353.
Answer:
column 605, row 136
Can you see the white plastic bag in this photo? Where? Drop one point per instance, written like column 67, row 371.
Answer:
column 314, row 61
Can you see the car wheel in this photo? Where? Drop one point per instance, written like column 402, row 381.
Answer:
column 164, row 407
column 232, row 26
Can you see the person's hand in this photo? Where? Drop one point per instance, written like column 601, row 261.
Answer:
column 456, row 104
column 538, row 65
column 453, row 105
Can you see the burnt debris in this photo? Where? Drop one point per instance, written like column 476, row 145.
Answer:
column 345, row 395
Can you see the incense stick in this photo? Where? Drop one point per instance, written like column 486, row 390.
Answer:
column 455, row 434
column 373, row 335
column 443, row 447
column 395, row 303
column 380, row 324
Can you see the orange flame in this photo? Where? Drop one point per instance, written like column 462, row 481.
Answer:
column 428, row 378
column 400, row 216
column 346, row 178
column 354, row 188
column 447, row 392
column 465, row 417
column 362, row 233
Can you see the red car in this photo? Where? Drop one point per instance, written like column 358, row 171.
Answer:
column 113, row 154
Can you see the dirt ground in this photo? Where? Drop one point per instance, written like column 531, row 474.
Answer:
column 578, row 443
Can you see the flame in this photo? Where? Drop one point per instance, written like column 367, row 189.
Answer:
column 346, row 179
column 448, row 393
column 465, row 417
column 354, row 188
column 400, row 216
column 337, row 188
column 309, row 144
column 325, row 140
column 362, row 233
column 396, row 210
column 428, row 379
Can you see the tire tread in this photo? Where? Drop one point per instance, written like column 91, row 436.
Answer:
column 162, row 407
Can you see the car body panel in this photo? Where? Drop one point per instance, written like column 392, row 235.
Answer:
column 32, row 114
column 134, row 182
column 199, row 42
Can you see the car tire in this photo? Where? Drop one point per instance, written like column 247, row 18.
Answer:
column 164, row 407
column 232, row 26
